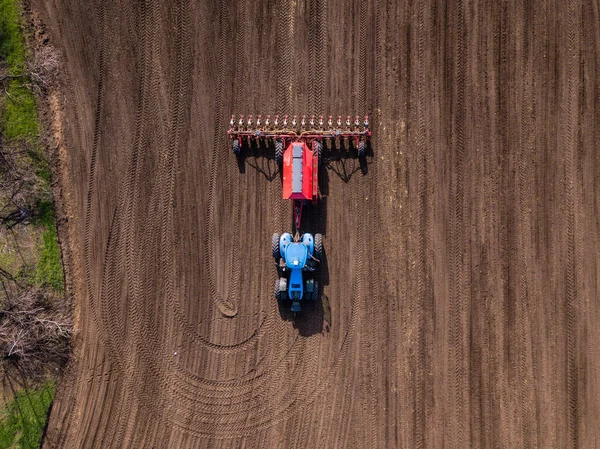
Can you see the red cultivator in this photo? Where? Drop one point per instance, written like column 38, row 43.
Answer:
column 304, row 143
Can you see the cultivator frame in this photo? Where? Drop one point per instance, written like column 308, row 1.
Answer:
column 283, row 132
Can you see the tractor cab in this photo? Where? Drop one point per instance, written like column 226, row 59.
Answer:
column 295, row 255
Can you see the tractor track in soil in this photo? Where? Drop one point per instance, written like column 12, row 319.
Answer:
column 459, row 279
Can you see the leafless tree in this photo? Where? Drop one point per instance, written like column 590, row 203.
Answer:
column 40, row 72
column 44, row 66
column 35, row 333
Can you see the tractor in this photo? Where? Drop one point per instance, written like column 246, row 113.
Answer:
column 299, row 148
column 294, row 257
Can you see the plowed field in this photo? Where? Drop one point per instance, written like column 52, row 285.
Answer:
column 460, row 304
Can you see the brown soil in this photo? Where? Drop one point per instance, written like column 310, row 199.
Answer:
column 460, row 302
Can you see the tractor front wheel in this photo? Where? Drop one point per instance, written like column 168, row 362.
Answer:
column 278, row 295
column 318, row 246
column 275, row 247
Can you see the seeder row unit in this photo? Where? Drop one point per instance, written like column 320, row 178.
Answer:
column 284, row 131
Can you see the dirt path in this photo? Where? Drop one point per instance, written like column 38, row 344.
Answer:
column 460, row 300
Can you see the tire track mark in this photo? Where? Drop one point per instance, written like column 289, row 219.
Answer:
column 572, row 267
column 125, row 208
column 423, row 385
column 93, row 161
column 358, row 292
column 377, row 290
column 87, row 243
column 527, row 146
column 318, row 49
column 225, row 306
column 161, row 222
column 183, row 320
column 235, row 284
column 292, row 404
column 458, row 432
column 278, row 220
column 285, row 32
column 133, row 251
column 489, row 243
column 502, row 86
column 228, row 306
column 370, row 341
column 357, row 299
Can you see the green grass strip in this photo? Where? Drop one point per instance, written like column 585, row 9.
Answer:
column 49, row 271
column 23, row 418
column 12, row 44
column 18, row 124
column 19, row 111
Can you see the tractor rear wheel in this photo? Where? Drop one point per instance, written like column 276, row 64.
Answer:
column 275, row 247
column 318, row 150
column 318, row 246
column 279, row 151
column 314, row 296
column 281, row 290
column 278, row 295
column 235, row 145
column 361, row 148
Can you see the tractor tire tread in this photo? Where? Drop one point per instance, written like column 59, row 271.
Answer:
column 318, row 246
column 275, row 247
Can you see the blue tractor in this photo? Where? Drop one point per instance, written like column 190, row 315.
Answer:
column 293, row 257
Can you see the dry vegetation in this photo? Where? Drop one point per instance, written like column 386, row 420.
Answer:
column 34, row 333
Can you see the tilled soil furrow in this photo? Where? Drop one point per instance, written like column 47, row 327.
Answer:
column 458, row 381
column 503, row 350
column 528, row 427
column 224, row 305
column 285, row 64
column 368, row 357
column 134, row 249
column 572, row 274
column 424, row 308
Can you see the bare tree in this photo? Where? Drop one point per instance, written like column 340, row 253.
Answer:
column 35, row 333
column 44, row 66
column 40, row 72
